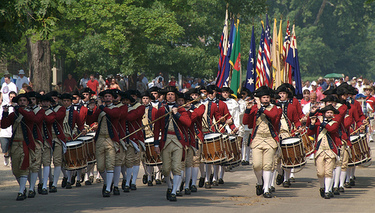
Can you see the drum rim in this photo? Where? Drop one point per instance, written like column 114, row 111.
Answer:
column 74, row 145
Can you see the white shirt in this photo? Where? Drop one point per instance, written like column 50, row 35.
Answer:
column 21, row 81
column 6, row 133
column 360, row 89
column 234, row 110
column 5, row 90
column 83, row 82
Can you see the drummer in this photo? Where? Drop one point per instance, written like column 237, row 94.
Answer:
column 289, row 123
column 106, row 137
column 264, row 118
column 148, row 117
column 326, row 147
column 171, row 142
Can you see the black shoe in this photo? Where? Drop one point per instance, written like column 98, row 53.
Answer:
column 221, row 181
column 82, row 177
column 267, row 195
column 52, row 189
column 116, row 191
column 44, row 192
column 215, row 183
column 111, row 189
column 126, row 189
column 182, row 186
column 211, row 178
column 88, row 183
column 286, row 184
column 91, row 178
column 169, row 191
column 352, row 182
column 327, row 196
column 68, row 185
column 341, row 189
column 331, row 194
column 336, row 191
column 21, row 196
column 187, row 191
column 63, row 182
column 321, row 192
column 193, row 188
column 78, row 184
column 73, row 180
column 347, row 185
column 243, row 163
column 172, row 197
column 133, row 187
column 123, row 184
column 292, row 179
column 207, row 185
column 144, row 179
column 178, row 193
column 31, row 194
column 50, row 184
column 279, row 179
column 158, row 182
column 149, row 183
column 201, row 182
column 272, row 189
column 107, row 193
column 259, row 189
column 247, row 163
column 104, row 189
column 40, row 186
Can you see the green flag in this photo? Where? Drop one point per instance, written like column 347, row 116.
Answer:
column 235, row 60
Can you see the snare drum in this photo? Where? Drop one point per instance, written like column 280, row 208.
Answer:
column 366, row 147
column 75, row 156
column 90, row 148
column 91, row 134
column 151, row 157
column 358, row 154
column 213, row 149
column 227, row 149
column 293, row 154
column 236, row 151
column 308, row 144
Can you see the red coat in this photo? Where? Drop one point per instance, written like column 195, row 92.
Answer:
column 58, row 124
column 223, row 110
column 73, row 120
column 196, row 121
column 122, row 122
column 47, row 126
column 114, row 115
column 212, row 112
column 150, row 113
column 273, row 115
column 134, row 122
column 292, row 116
column 297, row 105
column 82, row 111
column 331, row 130
column 182, row 119
column 38, row 124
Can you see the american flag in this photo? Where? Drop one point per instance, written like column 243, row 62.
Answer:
column 266, row 56
column 259, row 67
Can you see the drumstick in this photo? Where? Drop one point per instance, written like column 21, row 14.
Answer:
column 154, row 121
column 222, row 127
column 219, row 120
column 88, row 130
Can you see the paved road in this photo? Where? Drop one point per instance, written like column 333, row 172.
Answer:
column 236, row 195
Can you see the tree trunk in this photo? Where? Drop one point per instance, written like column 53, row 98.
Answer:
column 39, row 59
column 132, row 79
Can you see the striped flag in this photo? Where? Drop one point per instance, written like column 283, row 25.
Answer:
column 223, row 53
column 287, row 76
column 259, row 67
column 266, row 57
column 251, row 74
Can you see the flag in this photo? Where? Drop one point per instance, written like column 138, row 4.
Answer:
column 280, row 50
column 259, row 67
column 235, row 60
column 227, row 57
column 275, row 57
column 292, row 60
column 266, row 57
column 287, row 77
column 251, row 74
column 223, row 46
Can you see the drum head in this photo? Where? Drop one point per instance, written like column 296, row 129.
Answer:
column 85, row 138
column 212, row 136
column 91, row 134
column 354, row 137
column 362, row 135
column 73, row 143
column 149, row 140
column 232, row 137
column 290, row 141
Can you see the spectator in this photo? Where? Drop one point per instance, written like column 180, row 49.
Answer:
column 93, row 84
column 6, row 134
column 58, row 87
column 114, row 84
column 161, row 79
column 186, row 84
column 172, row 82
column 141, row 87
column 70, row 84
column 101, row 83
column 313, row 102
column 347, row 79
column 21, row 79
column 306, row 97
column 307, row 86
column 144, row 79
column 322, row 84
column 359, row 86
column 319, row 94
column 121, row 82
column 83, row 81
column 7, row 87
column 159, row 82
column 42, row 92
column 6, row 72
column 23, row 89
column 151, row 84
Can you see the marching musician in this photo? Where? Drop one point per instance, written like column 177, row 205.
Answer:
column 326, row 147
column 58, row 141
column 86, row 94
column 157, row 101
column 135, row 142
column 106, row 137
column 264, row 118
column 172, row 139
column 22, row 141
column 244, row 131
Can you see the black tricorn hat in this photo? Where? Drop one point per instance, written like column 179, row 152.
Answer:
column 148, row 94
column 169, row 89
column 330, row 91
column 88, row 90
column 290, row 87
column 33, row 94
column 284, row 88
column 244, row 89
column 134, row 92
column 54, row 93
column 127, row 95
column 342, row 91
column 330, row 98
column 328, row 108
column 263, row 90
column 154, row 89
column 227, row 89
column 15, row 99
column 213, row 87
column 67, row 96
column 108, row 91
column 46, row 98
